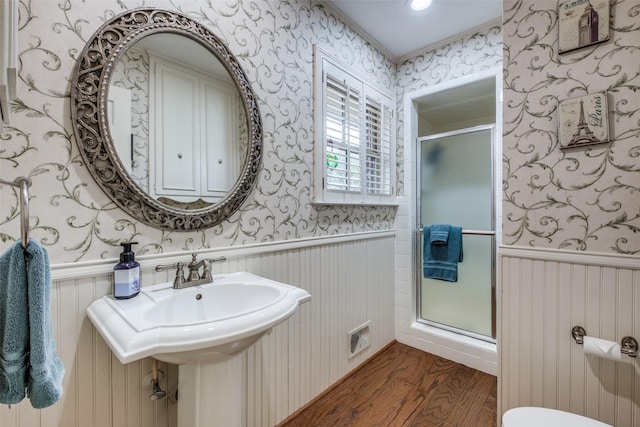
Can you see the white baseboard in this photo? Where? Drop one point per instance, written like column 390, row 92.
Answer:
column 471, row 352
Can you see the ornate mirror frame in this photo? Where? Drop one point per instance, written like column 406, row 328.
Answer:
column 89, row 113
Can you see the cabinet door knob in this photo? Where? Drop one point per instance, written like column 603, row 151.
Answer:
column 179, row 155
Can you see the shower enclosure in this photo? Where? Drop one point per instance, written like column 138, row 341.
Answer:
column 455, row 185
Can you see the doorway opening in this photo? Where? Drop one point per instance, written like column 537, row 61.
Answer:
column 455, row 109
column 456, row 184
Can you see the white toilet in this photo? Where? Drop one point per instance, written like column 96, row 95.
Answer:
column 544, row 417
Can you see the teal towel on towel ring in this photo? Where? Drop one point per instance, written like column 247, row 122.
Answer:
column 29, row 364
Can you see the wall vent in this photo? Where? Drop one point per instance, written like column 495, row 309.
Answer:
column 359, row 339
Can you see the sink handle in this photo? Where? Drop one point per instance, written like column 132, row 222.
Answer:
column 164, row 267
column 206, row 273
column 178, row 282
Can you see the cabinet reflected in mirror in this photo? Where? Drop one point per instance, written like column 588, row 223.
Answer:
column 180, row 96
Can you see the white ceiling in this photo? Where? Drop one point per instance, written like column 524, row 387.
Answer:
column 401, row 31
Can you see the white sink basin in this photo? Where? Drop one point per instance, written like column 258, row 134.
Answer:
column 200, row 304
column 192, row 325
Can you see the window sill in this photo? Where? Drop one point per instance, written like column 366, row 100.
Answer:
column 348, row 203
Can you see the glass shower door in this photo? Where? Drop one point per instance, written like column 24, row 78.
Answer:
column 456, row 186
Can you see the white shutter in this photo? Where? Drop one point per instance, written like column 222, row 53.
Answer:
column 378, row 119
column 342, row 124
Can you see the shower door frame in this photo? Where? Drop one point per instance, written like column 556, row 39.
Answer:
column 491, row 233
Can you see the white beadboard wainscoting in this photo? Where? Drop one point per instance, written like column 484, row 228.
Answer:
column 544, row 293
column 351, row 281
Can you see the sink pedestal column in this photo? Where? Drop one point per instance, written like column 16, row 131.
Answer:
column 213, row 394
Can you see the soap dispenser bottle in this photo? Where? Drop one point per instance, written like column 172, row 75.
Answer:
column 126, row 274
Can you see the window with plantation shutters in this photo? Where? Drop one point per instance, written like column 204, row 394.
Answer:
column 355, row 144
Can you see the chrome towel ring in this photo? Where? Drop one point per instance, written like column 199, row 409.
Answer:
column 23, row 185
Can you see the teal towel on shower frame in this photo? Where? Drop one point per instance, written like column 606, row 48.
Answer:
column 440, row 261
column 29, row 362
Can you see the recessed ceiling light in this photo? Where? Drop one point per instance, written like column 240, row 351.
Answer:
column 420, row 4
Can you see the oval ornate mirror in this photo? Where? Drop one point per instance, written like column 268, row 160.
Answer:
column 166, row 120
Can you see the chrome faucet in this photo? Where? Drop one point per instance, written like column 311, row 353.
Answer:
column 195, row 277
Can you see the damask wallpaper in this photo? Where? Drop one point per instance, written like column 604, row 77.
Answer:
column 584, row 199
column 273, row 41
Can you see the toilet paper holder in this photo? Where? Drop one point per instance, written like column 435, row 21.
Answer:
column 628, row 345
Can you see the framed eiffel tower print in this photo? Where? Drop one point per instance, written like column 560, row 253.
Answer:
column 583, row 121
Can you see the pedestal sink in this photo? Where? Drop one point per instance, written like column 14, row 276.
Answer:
column 204, row 329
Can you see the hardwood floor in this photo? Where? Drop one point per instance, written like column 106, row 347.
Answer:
column 405, row 387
